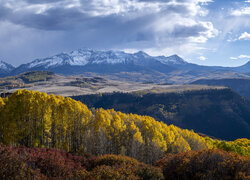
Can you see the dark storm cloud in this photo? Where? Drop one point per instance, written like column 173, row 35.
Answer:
column 177, row 8
column 53, row 19
column 4, row 12
column 60, row 18
column 185, row 31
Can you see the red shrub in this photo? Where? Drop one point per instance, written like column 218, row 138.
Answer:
column 48, row 162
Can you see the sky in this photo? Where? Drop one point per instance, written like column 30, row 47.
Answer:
column 206, row 32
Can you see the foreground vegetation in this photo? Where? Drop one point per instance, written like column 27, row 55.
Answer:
column 205, row 165
column 43, row 163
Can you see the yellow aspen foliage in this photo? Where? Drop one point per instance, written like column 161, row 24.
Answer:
column 240, row 146
column 135, row 132
column 180, row 145
column 1, row 103
column 117, row 124
column 35, row 119
column 103, row 119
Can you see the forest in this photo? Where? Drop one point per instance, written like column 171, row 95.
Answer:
column 30, row 119
column 219, row 113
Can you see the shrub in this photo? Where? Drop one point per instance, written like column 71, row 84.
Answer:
column 205, row 165
column 12, row 166
column 35, row 163
column 123, row 167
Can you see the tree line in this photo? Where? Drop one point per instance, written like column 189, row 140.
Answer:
column 35, row 119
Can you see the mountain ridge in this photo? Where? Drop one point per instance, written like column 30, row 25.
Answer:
column 171, row 69
column 89, row 57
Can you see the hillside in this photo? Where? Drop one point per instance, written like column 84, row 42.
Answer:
column 36, row 119
column 216, row 112
column 51, row 83
column 33, row 124
column 239, row 85
column 25, row 80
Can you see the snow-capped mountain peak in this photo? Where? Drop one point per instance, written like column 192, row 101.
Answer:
column 82, row 57
column 141, row 54
column 174, row 59
column 5, row 66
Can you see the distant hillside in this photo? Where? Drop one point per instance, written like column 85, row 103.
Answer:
column 241, row 86
column 25, row 80
column 220, row 113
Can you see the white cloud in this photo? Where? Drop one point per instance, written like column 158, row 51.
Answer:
column 240, row 57
column 202, row 58
column 183, row 50
column 244, row 36
column 241, row 12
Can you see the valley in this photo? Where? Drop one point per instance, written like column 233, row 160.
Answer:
column 51, row 83
column 52, row 137
column 78, row 107
column 124, row 90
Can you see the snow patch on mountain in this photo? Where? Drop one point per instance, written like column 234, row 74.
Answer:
column 80, row 57
column 48, row 62
column 109, row 57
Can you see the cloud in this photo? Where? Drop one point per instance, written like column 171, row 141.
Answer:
column 240, row 57
column 114, row 24
column 244, row 36
column 202, row 58
column 245, row 11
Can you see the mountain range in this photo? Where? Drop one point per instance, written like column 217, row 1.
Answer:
column 138, row 66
